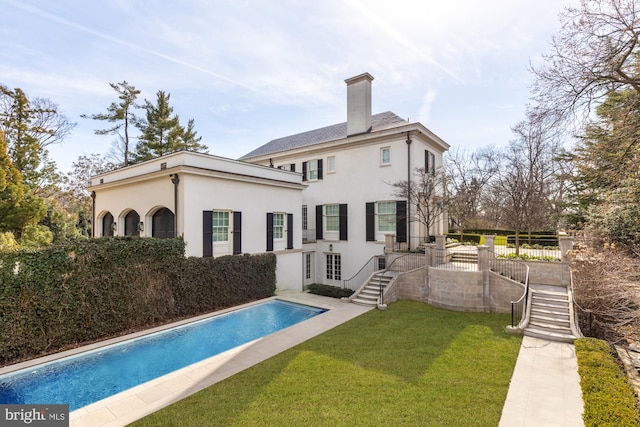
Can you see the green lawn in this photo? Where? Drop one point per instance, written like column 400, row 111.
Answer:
column 410, row 365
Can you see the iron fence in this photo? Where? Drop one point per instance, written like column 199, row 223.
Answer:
column 537, row 248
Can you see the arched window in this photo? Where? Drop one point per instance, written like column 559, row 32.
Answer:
column 163, row 224
column 131, row 222
column 107, row 225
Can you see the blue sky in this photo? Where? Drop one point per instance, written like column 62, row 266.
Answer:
column 251, row 71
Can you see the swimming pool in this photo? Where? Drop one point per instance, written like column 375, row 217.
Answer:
column 94, row 375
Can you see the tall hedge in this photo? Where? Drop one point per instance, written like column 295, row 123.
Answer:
column 88, row 290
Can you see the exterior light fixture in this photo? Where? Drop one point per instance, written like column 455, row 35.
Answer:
column 114, row 226
column 141, row 226
column 331, row 247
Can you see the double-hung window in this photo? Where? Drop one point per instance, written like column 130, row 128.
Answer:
column 386, row 217
column 220, row 226
column 312, row 170
column 332, row 218
column 278, row 225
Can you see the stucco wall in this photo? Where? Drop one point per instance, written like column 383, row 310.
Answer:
column 549, row 273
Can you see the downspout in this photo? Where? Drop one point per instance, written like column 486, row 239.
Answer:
column 176, row 180
column 408, row 225
column 93, row 214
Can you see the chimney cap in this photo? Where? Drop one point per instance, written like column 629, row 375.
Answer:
column 358, row 78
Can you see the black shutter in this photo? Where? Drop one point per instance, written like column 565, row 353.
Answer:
column 401, row 221
column 293, row 167
column 269, row 232
column 289, row 231
column 207, row 233
column 426, row 161
column 237, row 233
column 370, row 213
column 319, row 168
column 433, row 164
column 343, row 221
column 318, row 222
column 304, row 171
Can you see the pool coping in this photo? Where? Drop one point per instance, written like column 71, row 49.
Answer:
column 137, row 402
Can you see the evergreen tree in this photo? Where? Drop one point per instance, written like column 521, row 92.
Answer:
column 29, row 127
column 162, row 133
column 121, row 114
column 18, row 206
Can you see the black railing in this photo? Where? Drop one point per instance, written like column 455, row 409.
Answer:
column 403, row 263
column 364, row 273
column 518, row 272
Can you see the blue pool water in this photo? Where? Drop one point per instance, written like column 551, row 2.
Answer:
column 88, row 377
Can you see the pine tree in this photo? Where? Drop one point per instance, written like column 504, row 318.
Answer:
column 162, row 133
column 121, row 114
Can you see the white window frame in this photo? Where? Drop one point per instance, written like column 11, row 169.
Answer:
column 312, row 170
column 307, row 266
column 220, row 230
column 332, row 217
column 331, row 164
column 305, row 217
column 278, row 225
column 385, row 160
column 386, row 217
column 333, row 266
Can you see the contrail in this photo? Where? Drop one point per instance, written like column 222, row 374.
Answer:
column 134, row 46
column 376, row 20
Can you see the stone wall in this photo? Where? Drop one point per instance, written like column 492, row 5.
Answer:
column 456, row 290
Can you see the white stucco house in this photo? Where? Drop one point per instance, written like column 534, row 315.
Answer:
column 320, row 200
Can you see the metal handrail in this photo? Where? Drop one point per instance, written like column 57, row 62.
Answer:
column 369, row 265
column 517, row 271
column 411, row 265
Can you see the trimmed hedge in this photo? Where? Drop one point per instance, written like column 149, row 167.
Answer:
column 608, row 397
column 535, row 239
column 329, row 291
column 88, row 290
column 476, row 239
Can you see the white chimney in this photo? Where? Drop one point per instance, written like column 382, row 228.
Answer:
column 359, row 104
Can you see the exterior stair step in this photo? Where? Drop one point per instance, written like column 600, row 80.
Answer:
column 532, row 331
column 550, row 317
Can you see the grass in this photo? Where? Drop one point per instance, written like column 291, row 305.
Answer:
column 609, row 399
column 412, row 364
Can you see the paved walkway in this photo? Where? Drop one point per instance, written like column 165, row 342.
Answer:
column 545, row 387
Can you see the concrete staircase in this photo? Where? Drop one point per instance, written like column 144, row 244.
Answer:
column 550, row 316
column 465, row 257
column 370, row 293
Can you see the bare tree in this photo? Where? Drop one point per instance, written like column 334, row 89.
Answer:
column 527, row 177
column 426, row 190
column 594, row 53
column 467, row 177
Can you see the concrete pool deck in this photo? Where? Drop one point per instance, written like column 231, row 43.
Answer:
column 137, row 402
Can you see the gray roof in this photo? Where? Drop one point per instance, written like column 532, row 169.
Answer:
column 325, row 134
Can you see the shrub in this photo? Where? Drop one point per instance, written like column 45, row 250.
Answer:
column 329, row 291
column 87, row 290
column 608, row 398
